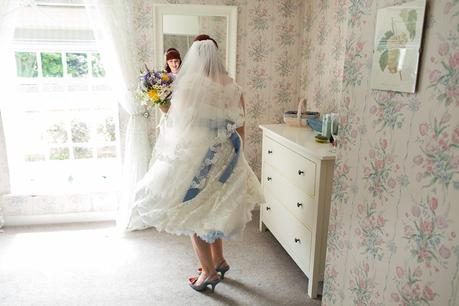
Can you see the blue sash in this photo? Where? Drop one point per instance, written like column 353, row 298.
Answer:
column 205, row 167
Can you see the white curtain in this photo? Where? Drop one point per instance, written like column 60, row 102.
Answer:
column 115, row 32
column 8, row 12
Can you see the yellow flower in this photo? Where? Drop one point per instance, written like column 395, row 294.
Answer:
column 165, row 77
column 153, row 95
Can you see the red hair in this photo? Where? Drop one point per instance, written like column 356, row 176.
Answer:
column 172, row 53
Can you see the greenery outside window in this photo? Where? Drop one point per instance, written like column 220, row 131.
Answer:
column 71, row 142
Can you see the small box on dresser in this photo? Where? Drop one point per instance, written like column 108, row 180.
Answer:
column 297, row 175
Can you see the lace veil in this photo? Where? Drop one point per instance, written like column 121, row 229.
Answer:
column 205, row 106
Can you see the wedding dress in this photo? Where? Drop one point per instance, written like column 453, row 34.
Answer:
column 199, row 181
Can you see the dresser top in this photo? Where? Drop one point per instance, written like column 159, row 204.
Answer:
column 300, row 139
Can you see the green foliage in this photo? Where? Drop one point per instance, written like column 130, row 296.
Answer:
column 77, row 64
column 410, row 17
column 80, row 131
column 31, row 157
column 106, row 152
column 56, row 133
column 97, row 67
column 106, row 129
column 383, row 42
column 82, row 152
column 26, row 64
column 383, row 60
column 59, row 153
column 51, row 64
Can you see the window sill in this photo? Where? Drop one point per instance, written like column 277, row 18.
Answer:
column 58, row 204
column 57, row 193
column 60, row 218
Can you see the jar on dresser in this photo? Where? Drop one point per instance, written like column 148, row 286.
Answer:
column 297, row 175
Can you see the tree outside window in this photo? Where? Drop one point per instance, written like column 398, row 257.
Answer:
column 51, row 64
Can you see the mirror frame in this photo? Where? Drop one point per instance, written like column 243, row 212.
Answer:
column 230, row 12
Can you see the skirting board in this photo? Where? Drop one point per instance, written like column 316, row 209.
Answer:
column 65, row 218
column 59, row 218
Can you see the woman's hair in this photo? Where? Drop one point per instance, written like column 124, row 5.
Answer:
column 172, row 53
column 205, row 37
column 210, row 60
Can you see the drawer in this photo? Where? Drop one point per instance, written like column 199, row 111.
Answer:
column 299, row 241
column 296, row 168
column 296, row 201
column 291, row 234
column 272, row 217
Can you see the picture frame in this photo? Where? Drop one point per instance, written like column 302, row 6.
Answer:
column 397, row 46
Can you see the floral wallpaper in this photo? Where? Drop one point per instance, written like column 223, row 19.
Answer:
column 393, row 224
column 269, row 48
column 324, row 28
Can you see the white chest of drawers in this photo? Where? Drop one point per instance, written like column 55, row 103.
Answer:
column 297, row 175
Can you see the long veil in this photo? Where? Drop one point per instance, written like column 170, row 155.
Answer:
column 205, row 111
column 203, row 99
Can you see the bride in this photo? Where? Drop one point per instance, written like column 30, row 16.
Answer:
column 199, row 182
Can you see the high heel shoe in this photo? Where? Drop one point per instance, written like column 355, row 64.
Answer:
column 205, row 284
column 222, row 269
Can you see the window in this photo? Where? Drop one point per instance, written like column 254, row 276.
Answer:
column 62, row 126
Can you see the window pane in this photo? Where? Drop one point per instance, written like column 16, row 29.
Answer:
column 35, row 147
column 51, row 64
column 82, row 152
column 26, row 64
column 56, row 133
column 80, row 131
column 34, row 157
column 106, row 130
column 77, row 64
column 106, row 152
column 97, row 68
column 59, row 153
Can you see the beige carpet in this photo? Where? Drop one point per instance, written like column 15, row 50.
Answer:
column 90, row 264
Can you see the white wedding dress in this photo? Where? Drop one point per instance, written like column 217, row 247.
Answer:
column 199, row 181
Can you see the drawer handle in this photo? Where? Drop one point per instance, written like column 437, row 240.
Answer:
column 269, row 178
column 297, row 240
column 298, row 204
column 270, row 152
column 300, row 172
column 268, row 208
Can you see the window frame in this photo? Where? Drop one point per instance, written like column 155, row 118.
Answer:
column 21, row 106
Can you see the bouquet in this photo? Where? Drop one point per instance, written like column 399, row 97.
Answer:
column 157, row 86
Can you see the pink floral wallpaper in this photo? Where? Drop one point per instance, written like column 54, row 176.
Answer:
column 323, row 49
column 393, row 224
column 269, row 57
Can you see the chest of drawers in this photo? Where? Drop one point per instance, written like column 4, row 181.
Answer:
column 297, row 178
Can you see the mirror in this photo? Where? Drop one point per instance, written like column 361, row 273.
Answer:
column 177, row 24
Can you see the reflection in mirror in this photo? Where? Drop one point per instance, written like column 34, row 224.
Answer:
column 179, row 32
column 176, row 25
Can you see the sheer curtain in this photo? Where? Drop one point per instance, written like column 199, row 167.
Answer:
column 8, row 12
column 114, row 29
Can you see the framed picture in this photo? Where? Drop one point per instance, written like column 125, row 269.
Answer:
column 397, row 46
